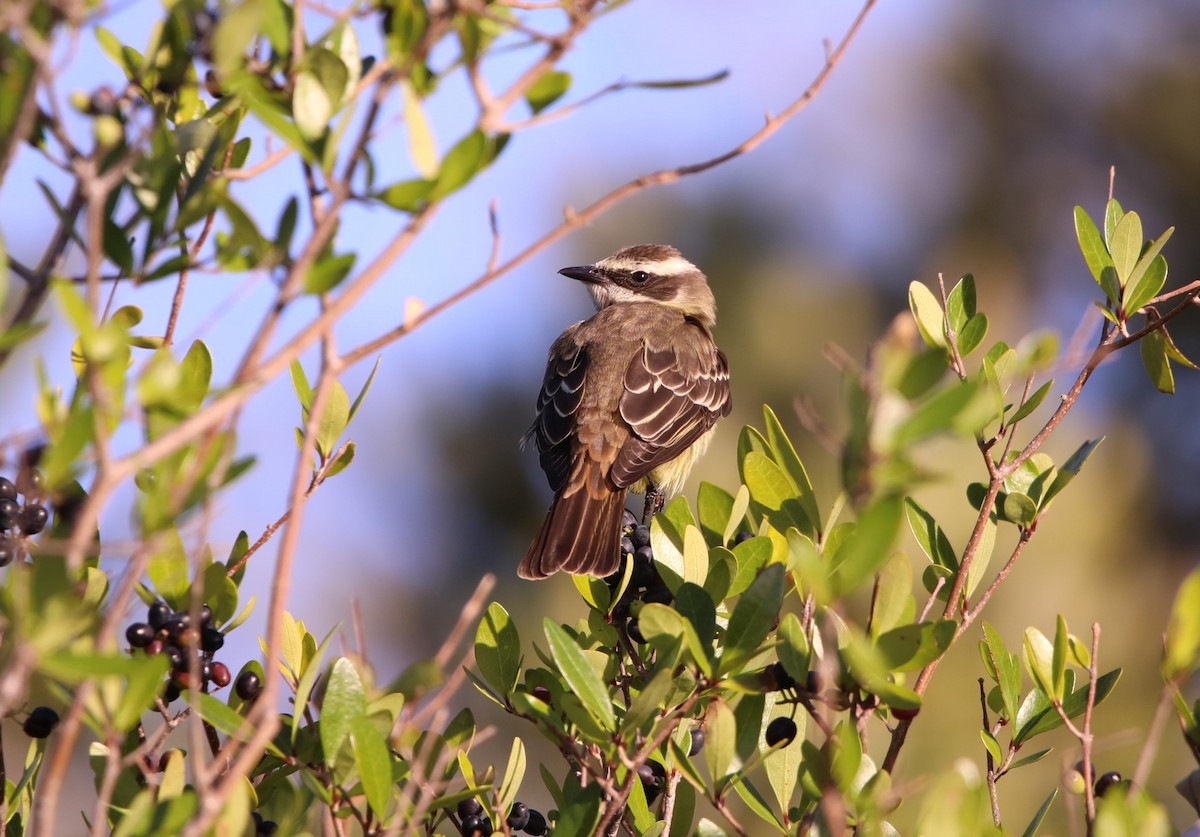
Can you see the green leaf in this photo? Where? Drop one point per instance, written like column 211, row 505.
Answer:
column 1091, row 245
column 770, row 488
column 362, row 393
column 1039, row 661
column 720, row 730
column 929, row 535
column 514, row 774
column 1008, row 670
column 345, row 699
column 893, row 603
column 168, row 570
column 498, row 649
column 408, row 195
column 1036, row 823
column 421, row 145
column 1036, row 715
column 912, row 647
column 1059, row 660
column 548, row 89
column 373, row 759
column 713, row 507
column 927, row 311
column 1070, row 469
column 784, row 455
column 308, row 672
column 1031, row 403
column 648, row 701
column 753, row 616
column 311, row 106
column 793, row 649
column 1019, row 509
column 328, row 273
column 960, row 303
column 1142, row 268
column 1112, row 215
column 579, row 674
column 1032, row 758
column 992, row 746
column 1158, row 366
column 1126, row 246
column 1181, row 655
column 868, row 547
column 225, row 719
column 694, row 604
column 1147, row 287
column 462, row 162
column 972, row 334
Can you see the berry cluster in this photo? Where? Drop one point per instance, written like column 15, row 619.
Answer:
column 172, row 633
column 645, row 584
column 475, row 823
column 17, row 520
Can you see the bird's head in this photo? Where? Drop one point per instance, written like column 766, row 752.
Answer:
column 654, row 273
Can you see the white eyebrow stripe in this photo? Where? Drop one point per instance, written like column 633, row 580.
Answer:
column 665, row 267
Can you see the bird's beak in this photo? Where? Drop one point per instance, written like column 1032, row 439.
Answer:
column 584, row 273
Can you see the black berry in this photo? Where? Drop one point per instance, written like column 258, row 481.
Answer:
column 643, row 574
column 41, row 722
column 248, row 685
column 904, row 713
column 8, row 551
column 653, row 776
column 781, row 731
column 34, row 519
column 172, row 692
column 697, row 741
column 640, row 536
column 644, row 555
column 470, row 807
column 541, row 693
column 219, row 674
column 740, row 537
column 10, row 512
column 659, row 594
column 536, row 825
column 139, row 635
column 8, row 489
column 157, row 615
column 206, row 616
column 476, row 826
column 626, row 546
column 211, row 640
column 779, row 678
column 628, row 521
column 518, row 817
column 1106, row 782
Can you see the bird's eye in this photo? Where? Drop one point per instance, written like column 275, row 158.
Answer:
column 640, row 276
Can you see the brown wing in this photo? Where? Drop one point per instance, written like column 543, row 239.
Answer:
column 672, row 397
column 558, row 401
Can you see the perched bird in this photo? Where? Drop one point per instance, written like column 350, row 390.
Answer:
column 628, row 401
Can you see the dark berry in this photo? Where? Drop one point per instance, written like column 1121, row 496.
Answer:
column 182, row 617
column 536, row 825
column 614, row 580
column 541, row 693
column 905, row 713
column 812, row 683
column 628, row 521
column 248, row 685
column 471, row 826
column 139, row 635
column 781, row 731
column 641, row 536
column 635, row 631
column 206, row 616
column 8, row 551
column 653, row 775
column 470, row 807
column 778, row 678
column 741, row 537
column 626, row 546
column 182, row 679
column 172, row 692
column 697, row 741
column 1106, row 782
column 219, row 674
column 644, row 555
column 8, row 489
column 211, row 640
column 41, row 722
column 10, row 512
column 518, row 817
column 34, row 519
column 643, row 574
column 267, row 829
column 156, row 646
column 157, row 615
column 178, row 660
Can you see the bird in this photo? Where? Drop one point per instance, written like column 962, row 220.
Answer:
column 629, row 401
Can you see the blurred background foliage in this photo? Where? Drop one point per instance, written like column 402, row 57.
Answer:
column 956, row 137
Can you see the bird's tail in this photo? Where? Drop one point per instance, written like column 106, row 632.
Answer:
column 581, row 535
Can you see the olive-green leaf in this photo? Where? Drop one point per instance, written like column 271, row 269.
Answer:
column 1031, row 403
column 498, row 649
column 785, row 456
column 579, row 674
column 869, row 546
column 753, row 616
column 421, row 145
column 1158, row 365
column 1126, row 245
column 408, row 195
column 311, row 105
column 1142, row 267
column 1091, row 244
column 548, row 89
column 1182, row 653
column 1019, row 509
column 462, row 162
column 345, row 699
column 912, row 647
column 328, row 273
column 927, row 311
column 373, row 759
